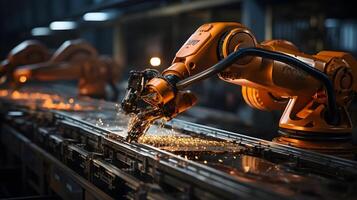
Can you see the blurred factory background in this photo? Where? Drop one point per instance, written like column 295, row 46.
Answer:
column 142, row 33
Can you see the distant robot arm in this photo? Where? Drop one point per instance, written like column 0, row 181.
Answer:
column 75, row 59
column 26, row 53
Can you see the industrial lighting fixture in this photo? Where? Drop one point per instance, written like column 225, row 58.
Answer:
column 22, row 79
column 155, row 61
column 63, row 25
column 331, row 23
column 40, row 31
column 97, row 16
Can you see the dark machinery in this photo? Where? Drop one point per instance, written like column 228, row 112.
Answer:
column 84, row 154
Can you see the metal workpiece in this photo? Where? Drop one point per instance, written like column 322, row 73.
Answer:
column 177, row 159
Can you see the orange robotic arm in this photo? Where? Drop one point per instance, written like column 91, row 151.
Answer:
column 269, row 82
column 27, row 52
column 75, row 59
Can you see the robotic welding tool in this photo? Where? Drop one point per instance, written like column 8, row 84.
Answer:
column 138, row 101
column 313, row 90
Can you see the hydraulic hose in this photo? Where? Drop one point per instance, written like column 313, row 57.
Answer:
column 223, row 64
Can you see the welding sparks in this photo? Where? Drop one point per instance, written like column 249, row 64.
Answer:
column 181, row 143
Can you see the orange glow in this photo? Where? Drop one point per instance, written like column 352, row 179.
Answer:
column 43, row 100
column 22, row 79
column 4, row 93
column 50, row 104
column 17, row 95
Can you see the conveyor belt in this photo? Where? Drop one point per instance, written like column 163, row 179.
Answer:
column 180, row 158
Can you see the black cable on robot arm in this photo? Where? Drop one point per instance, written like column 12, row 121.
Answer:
column 277, row 56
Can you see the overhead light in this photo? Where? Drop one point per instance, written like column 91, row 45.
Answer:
column 331, row 23
column 22, row 79
column 155, row 61
column 40, row 31
column 63, row 25
column 97, row 16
